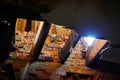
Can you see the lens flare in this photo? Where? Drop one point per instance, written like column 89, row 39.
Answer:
column 90, row 40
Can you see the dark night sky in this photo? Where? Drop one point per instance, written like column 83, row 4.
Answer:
column 88, row 17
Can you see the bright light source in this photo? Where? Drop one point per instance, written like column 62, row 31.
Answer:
column 90, row 40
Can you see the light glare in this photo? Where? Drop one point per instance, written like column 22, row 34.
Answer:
column 90, row 40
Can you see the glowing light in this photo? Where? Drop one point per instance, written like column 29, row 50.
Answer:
column 90, row 40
